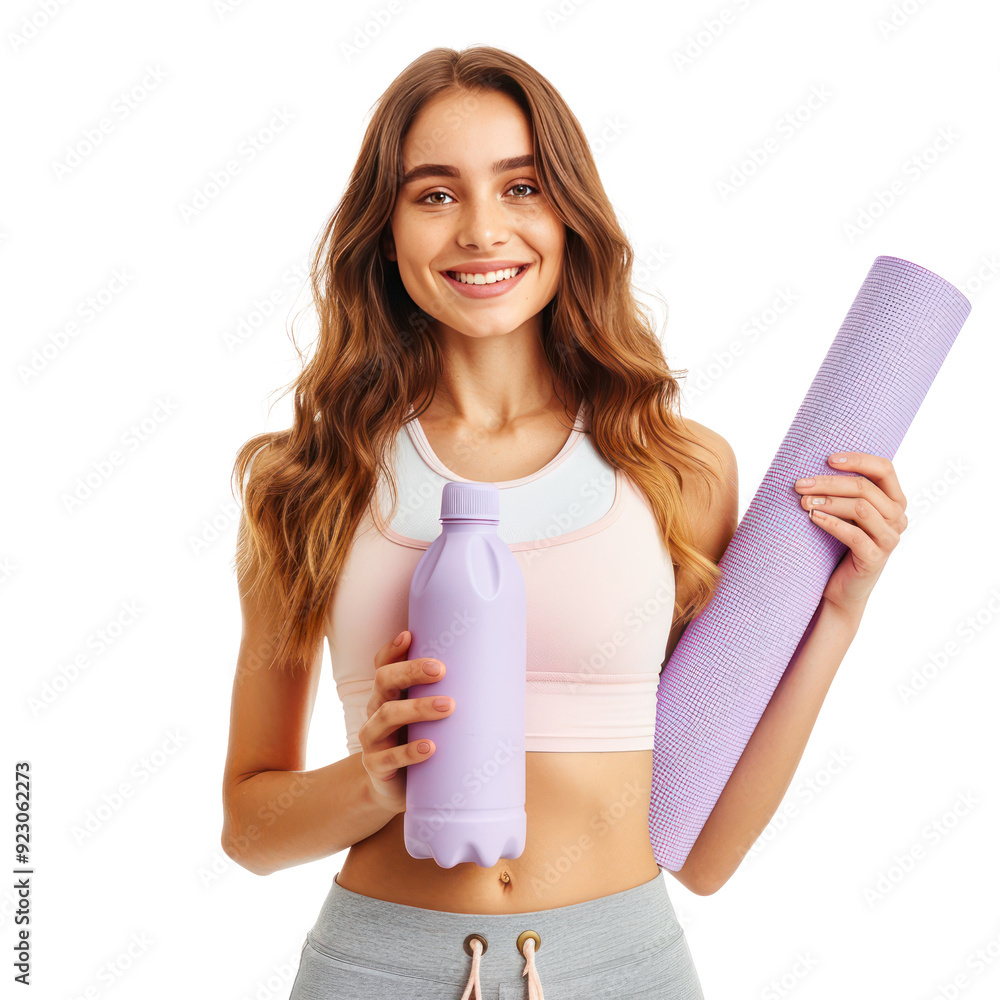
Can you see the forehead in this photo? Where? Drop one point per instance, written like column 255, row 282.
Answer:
column 464, row 128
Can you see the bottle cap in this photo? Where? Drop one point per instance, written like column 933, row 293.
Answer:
column 479, row 500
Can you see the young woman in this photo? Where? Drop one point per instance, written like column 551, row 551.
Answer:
column 477, row 322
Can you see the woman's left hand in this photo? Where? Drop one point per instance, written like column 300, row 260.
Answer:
column 866, row 512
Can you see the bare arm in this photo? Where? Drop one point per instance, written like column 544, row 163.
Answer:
column 866, row 512
column 714, row 515
column 763, row 773
column 275, row 814
column 279, row 819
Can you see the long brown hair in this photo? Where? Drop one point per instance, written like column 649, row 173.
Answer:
column 310, row 486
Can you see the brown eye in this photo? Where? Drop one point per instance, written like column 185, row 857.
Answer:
column 431, row 195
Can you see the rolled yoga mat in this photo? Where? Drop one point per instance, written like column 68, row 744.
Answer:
column 717, row 683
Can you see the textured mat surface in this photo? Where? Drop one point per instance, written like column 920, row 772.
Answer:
column 717, row 683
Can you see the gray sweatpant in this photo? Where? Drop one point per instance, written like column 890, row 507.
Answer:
column 628, row 944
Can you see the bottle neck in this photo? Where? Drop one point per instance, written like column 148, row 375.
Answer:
column 470, row 525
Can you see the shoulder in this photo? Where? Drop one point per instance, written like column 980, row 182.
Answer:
column 713, row 506
column 713, row 443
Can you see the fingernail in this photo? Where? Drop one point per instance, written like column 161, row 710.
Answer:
column 432, row 667
column 805, row 482
column 399, row 638
column 838, row 458
column 423, row 746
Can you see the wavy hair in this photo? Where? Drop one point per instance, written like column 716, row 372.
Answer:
column 306, row 489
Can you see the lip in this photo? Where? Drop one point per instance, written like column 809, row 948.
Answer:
column 485, row 291
column 484, row 266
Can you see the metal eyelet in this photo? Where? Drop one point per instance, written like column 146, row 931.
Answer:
column 524, row 935
column 467, row 943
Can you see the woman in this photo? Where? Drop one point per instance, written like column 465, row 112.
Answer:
column 477, row 322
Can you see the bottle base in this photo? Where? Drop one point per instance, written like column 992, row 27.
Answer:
column 480, row 836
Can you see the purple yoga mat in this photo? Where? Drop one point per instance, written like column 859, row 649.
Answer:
column 717, row 683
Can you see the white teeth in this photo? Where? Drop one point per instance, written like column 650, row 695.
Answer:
column 485, row 278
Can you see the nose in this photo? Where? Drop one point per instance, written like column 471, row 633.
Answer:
column 484, row 222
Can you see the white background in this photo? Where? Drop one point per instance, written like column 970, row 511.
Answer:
column 141, row 886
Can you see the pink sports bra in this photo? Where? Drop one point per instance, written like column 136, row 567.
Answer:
column 600, row 585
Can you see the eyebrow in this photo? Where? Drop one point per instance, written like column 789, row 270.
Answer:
column 445, row 170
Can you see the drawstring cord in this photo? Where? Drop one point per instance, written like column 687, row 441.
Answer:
column 473, row 985
column 474, row 988
column 534, row 983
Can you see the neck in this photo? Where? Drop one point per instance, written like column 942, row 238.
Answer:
column 490, row 382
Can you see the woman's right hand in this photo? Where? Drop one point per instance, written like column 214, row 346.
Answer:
column 383, row 757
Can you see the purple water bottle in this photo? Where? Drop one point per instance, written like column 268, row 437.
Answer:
column 468, row 609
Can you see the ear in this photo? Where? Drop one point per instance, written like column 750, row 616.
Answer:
column 389, row 246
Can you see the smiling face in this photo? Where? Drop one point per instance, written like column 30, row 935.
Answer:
column 470, row 202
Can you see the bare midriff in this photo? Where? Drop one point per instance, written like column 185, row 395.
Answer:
column 587, row 837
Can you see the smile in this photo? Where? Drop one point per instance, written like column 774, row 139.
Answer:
column 480, row 286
